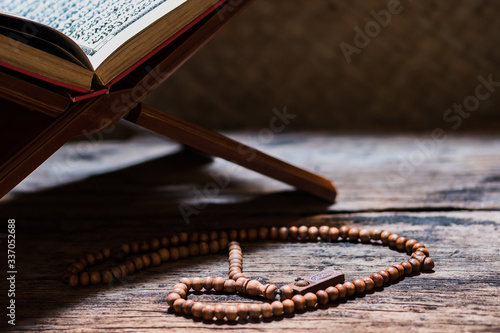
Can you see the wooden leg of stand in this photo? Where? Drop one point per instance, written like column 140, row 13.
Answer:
column 221, row 146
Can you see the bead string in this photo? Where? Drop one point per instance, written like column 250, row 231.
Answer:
column 158, row 250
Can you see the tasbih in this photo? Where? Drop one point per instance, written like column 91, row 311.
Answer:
column 303, row 294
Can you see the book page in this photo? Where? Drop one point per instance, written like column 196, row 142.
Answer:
column 99, row 27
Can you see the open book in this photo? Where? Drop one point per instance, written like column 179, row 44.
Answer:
column 82, row 45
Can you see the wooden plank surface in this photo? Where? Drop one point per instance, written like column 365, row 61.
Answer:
column 450, row 202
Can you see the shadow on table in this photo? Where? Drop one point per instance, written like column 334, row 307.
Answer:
column 56, row 225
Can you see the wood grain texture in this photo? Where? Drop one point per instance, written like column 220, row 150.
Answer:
column 450, row 203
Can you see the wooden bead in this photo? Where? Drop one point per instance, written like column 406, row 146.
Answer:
column 286, row 292
column 187, row 282
column 277, row 307
column 322, row 297
column 197, row 309
column 416, row 246
column 242, row 235
column 400, row 269
column 184, row 251
column 184, row 237
column 181, row 292
column 423, row 250
column 99, row 258
column 130, row 266
column 303, row 231
column 203, row 237
column 232, row 235
column 231, row 313
column 155, row 244
column 182, row 286
column 164, row 242
column 95, row 277
column 238, row 275
column 283, row 233
column 83, row 261
column 197, row 284
column 144, row 246
column 419, row 256
column 393, row 239
column 155, row 259
column 207, row 313
column 172, row 297
column 208, row 283
column 359, row 286
column 230, row 286
column 178, row 305
column 344, row 232
column 174, row 253
column 107, row 276
column 299, row 301
column 364, row 236
column 84, row 279
column 378, row 280
column 218, row 283
column 293, row 232
column 223, row 235
column 415, row 265
column 312, row 233
column 253, row 235
column 117, row 272
column 273, row 233
column 375, row 234
column 106, row 252
column 73, row 280
column 270, row 291
column 164, row 254
column 409, row 245
column 384, row 237
column 254, row 311
column 239, row 284
column 223, row 243
column 253, row 288
column 242, row 310
column 385, row 275
column 188, row 307
column 263, row 233
column 174, row 240
column 408, row 268
column 311, row 300
column 288, row 306
column 213, row 235
column 204, row 248
column 266, row 310
column 214, row 246
column 428, row 264
column 369, row 284
column 353, row 234
column 219, row 312
column 342, row 290
column 135, row 247
column 333, row 234
column 350, row 288
column 90, row 259
column 393, row 273
column 401, row 243
column 333, row 293
column 323, row 232
column 146, row 259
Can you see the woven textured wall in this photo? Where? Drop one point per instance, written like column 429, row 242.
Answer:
column 287, row 52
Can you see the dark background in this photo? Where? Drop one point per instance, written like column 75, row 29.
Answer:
column 286, row 52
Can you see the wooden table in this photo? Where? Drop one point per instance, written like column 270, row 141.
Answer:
column 444, row 193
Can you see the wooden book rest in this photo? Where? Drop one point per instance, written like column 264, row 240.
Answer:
column 37, row 119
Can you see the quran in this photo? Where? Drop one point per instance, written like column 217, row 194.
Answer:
column 81, row 45
column 76, row 67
